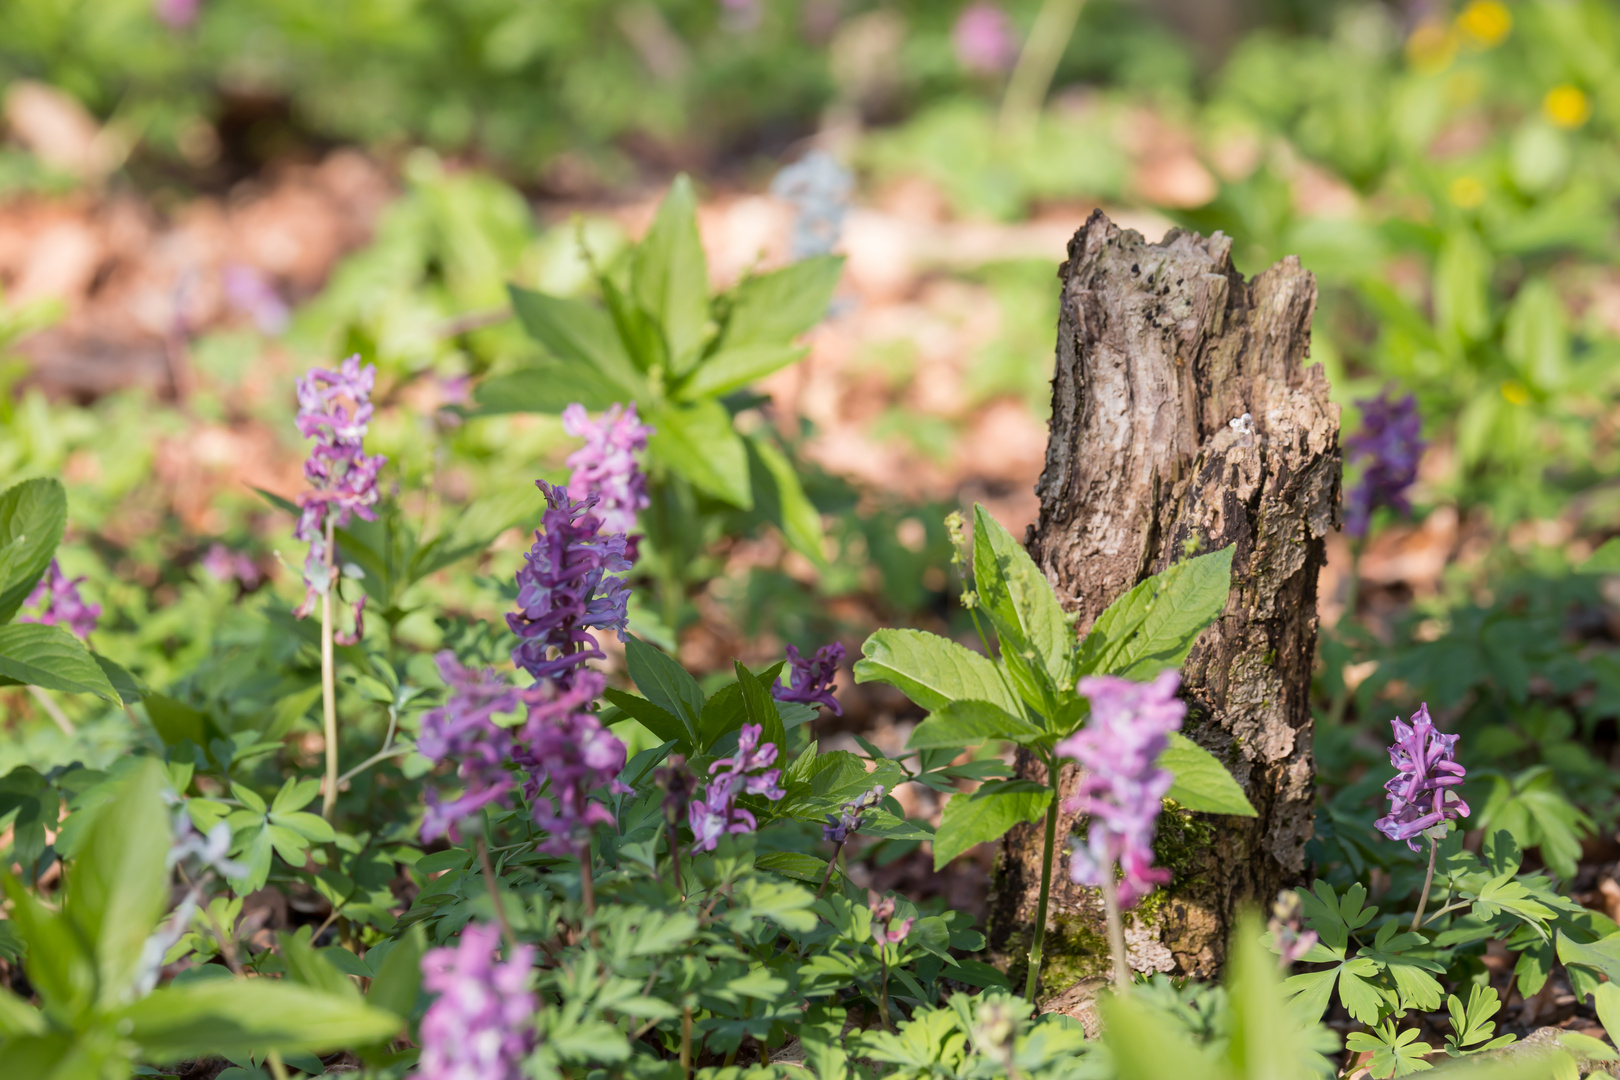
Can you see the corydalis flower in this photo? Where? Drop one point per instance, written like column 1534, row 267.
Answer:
column 55, row 601
column 565, row 591
column 1388, row 446
column 334, row 409
column 250, row 292
column 884, row 930
column 223, row 564
column 606, row 465
column 568, row 752
column 984, row 39
column 1421, row 794
column 818, row 188
column 1287, row 938
column 746, row 773
column 480, row 1027
column 1122, row 786
column 463, row 730
column 811, row 680
column 848, row 820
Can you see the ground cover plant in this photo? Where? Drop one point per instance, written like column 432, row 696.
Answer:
column 324, row 772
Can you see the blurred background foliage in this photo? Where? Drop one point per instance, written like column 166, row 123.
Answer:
column 1449, row 171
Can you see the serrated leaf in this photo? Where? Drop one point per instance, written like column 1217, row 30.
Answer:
column 1022, row 604
column 33, row 654
column 665, row 682
column 736, row 366
column 1202, row 783
column 931, row 670
column 699, row 442
column 985, row 815
column 670, row 278
column 782, row 496
column 1153, row 627
column 578, row 333
column 967, row 722
column 33, row 516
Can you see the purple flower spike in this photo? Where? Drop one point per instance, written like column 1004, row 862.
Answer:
column 884, row 931
column 1389, row 446
column 1426, row 771
column 984, row 39
column 1122, row 786
column 481, row 1024
column 463, row 730
column 334, row 409
column 55, row 601
column 716, row 812
column 606, row 465
column 812, row 679
column 848, row 820
column 564, row 745
column 564, row 591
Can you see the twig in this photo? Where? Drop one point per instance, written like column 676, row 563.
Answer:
column 54, row 710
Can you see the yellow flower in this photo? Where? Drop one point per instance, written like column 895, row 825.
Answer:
column 1567, row 106
column 1487, row 22
column 1431, row 47
column 1515, row 391
column 1467, row 192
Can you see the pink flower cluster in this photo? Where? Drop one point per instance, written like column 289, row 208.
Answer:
column 55, row 601
column 985, row 40
column 748, row 773
column 480, row 1025
column 1421, row 793
column 334, row 409
column 1122, row 787
column 223, row 564
column 606, row 465
column 884, row 930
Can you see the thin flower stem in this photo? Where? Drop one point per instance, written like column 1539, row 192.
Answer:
column 832, row 864
column 1428, row 880
column 1039, row 940
column 388, row 750
column 883, row 988
column 686, row 1041
column 1037, row 63
column 675, row 857
column 53, row 710
column 329, row 684
column 278, row 1068
column 1447, row 910
column 493, row 884
column 1116, row 935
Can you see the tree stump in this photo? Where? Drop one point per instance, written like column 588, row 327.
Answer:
column 1184, row 420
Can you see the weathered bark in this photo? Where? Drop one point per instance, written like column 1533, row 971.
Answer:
column 1184, row 420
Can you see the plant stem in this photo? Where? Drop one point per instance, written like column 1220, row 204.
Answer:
column 493, row 884
column 1039, row 939
column 329, row 684
column 587, row 886
column 883, row 988
column 1428, row 880
column 675, row 857
column 1037, row 63
column 278, row 1068
column 832, row 864
column 686, row 1041
column 1116, row 934
column 53, row 710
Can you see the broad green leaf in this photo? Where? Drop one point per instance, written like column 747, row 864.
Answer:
column 1021, row 603
column 986, row 815
column 118, row 887
column 33, row 515
column 1601, row 955
column 176, row 721
column 967, row 722
column 243, row 1016
column 735, row 367
column 760, row 709
column 1202, row 782
column 654, row 718
column 1153, row 626
column 307, row 967
column 698, row 442
column 723, row 713
column 59, row 963
column 783, row 497
column 127, row 686
column 576, row 332
column 49, row 656
column 794, row 864
column 1461, row 287
column 548, row 386
column 665, row 683
column 1606, row 999
column 295, row 794
column 311, row 827
column 17, row 1017
column 931, row 670
column 775, row 308
column 670, row 275
column 1143, row 1047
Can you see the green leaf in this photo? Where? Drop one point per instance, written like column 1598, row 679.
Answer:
column 119, row 885
column 760, row 709
column 311, row 827
column 578, row 333
column 654, row 718
column 1202, row 782
column 398, row 981
column 775, row 308
column 1472, row 1023
column 1021, row 602
column 33, row 515
column 307, row 967
column 986, row 815
column 17, row 1017
column 59, row 963
column 967, row 722
column 670, row 276
column 733, row 368
column 548, row 386
column 931, row 670
column 1602, row 955
column 783, row 497
column 127, row 686
column 246, row 1016
column 699, row 442
column 665, row 683
column 1153, row 627
column 1143, row 1046
column 793, row 864
column 1393, row 1053
column 48, row 656
column 295, row 794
